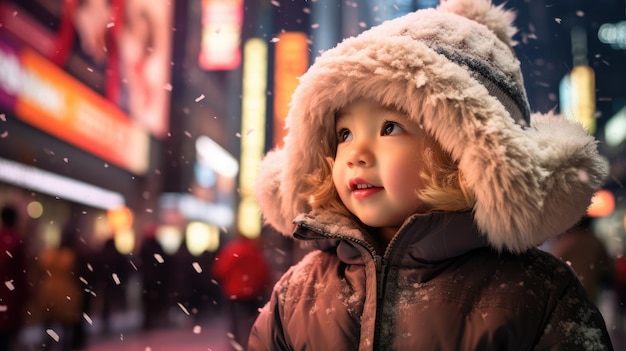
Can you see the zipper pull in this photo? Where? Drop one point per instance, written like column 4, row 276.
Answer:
column 381, row 268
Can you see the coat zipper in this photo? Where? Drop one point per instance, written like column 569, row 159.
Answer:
column 381, row 272
column 381, row 275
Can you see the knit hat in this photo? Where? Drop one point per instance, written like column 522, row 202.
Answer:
column 533, row 175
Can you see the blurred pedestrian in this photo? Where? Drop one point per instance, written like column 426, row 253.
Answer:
column 112, row 272
column 14, row 291
column 587, row 255
column 59, row 293
column 186, row 285
column 619, row 288
column 244, row 275
column 87, row 277
column 154, row 269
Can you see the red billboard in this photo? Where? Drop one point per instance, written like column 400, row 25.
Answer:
column 44, row 96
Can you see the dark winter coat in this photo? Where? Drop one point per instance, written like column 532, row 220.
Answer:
column 438, row 286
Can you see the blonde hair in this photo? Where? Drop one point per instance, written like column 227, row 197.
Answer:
column 444, row 184
column 322, row 193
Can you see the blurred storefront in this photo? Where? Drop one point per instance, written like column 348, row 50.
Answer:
column 116, row 106
column 108, row 124
column 71, row 139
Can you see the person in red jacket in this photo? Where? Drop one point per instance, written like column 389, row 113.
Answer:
column 244, row 275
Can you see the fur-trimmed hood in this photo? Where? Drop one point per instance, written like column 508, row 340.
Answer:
column 533, row 175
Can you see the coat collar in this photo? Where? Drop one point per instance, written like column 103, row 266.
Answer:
column 422, row 238
column 437, row 236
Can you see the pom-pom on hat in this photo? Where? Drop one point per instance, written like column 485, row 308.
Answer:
column 532, row 175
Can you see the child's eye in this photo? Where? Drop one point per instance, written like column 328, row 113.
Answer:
column 344, row 135
column 390, row 128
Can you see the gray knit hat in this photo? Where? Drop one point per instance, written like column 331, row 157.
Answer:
column 533, row 175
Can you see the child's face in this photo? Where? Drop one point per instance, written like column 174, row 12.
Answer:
column 377, row 165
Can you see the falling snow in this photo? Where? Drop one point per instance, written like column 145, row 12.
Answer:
column 53, row 334
column 158, row 258
column 87, row 318
column 183, row 308
column 197, row 267
column 116, row 279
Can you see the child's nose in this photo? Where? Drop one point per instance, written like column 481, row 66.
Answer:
column 361, row 153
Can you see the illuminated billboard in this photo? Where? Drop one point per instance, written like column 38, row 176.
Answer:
column 291, row 60
column 120, row 49
column 253, row 134
column 44, row 96
column 221, row 34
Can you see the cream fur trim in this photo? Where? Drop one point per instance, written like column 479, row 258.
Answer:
column 530, row 183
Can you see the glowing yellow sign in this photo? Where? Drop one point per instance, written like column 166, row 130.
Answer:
column 252, row 133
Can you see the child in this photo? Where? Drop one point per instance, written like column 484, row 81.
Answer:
column 413, row 165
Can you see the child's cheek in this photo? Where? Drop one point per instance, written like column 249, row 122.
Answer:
column 339, row 178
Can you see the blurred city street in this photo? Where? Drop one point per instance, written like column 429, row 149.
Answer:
column 131, row 138
column 208, row 334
